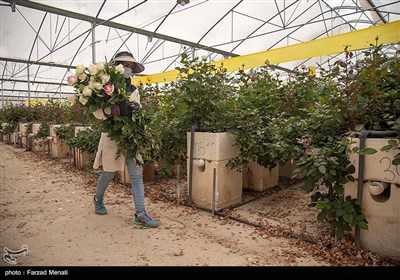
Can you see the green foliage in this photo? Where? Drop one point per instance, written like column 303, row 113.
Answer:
column 201, row 89
column 10, row 127
column 44, row 131
column 370, row 94
column 197, row 98
column 86, row 140
column 64, row 132
column 135, row 134
column 342, row 212
column 15, row 113
column 393, row 144
column 51, row 111
column 364, row 96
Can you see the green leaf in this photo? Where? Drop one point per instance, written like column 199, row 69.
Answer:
column 322, row 169
column 321, row 205
column 321, row 216
column 339, row 232
column 107, row 110
column 340, row 212
column 348, row 218
column 351, row 169
column 362, row 225
column 342, row 180
column 350, row 178
column 339, row 189
column 308, row 186
column 386, row 148
column 359, row 218
column 347, row 227
column 396, row 161
column 369, row 151
column 358, row 127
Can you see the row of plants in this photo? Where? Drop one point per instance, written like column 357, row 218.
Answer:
column 43, row 113
column 301, row 116
column 276, row 118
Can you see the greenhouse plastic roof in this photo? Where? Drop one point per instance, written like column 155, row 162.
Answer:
column 52, row 37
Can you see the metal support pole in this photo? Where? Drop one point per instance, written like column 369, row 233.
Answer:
column 49, row 140
column 178, row 189
column 29, row 85
column 192, row 130
column 2, row 96
column 214, row 190
column 361, row 161
column 93, row 42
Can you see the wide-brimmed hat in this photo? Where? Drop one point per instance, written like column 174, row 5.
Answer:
column 128, row 57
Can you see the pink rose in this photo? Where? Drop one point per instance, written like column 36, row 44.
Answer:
column 109, row 89
column 71, row 80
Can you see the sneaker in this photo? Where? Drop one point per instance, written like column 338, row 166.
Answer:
column 99, row 206
column 143, row 219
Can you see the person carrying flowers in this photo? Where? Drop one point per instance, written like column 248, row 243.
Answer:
column 103, row 92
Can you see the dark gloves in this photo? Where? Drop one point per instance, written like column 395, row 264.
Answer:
column 128, row 109
column 115, row 111
column 124, row 108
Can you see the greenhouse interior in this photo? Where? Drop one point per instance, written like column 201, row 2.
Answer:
column 257, row 133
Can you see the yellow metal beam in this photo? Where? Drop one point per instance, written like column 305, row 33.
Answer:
column 355, row 40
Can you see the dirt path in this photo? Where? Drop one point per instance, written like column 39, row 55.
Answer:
column 47, row 205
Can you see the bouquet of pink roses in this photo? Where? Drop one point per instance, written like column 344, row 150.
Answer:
column 99, row 86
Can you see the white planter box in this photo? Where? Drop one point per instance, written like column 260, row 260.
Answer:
column 39, row 145
column 23, row 133
column 59, row 149
column 9, row 138
column 258, row 178
column 378, row 167
column 383, row 216
column 81, row 159
column 228, row 185
column 214, row 150
column 23, row 128
column 213, row 146
column 286, row 170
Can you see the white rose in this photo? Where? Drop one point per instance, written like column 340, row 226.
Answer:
column 100, row 66
column 71, row 99
column 105, row 78
column 82, row 76
column 93, row 69
column 91, row 84
column 86, row 92
column 80, row 69
column 120, row 69
column 83, row 100
column 97, row 85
